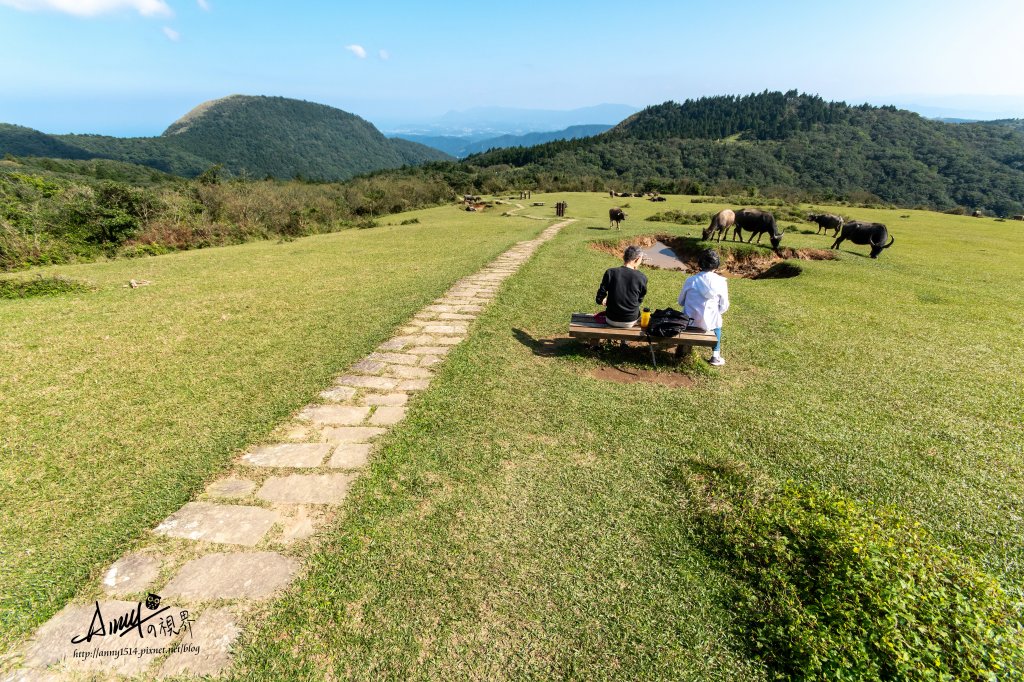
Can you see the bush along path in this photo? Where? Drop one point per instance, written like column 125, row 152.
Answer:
column 173, row 606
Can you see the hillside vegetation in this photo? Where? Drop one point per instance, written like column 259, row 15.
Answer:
column 249, row 136
column 785, row 143
column 58, row 211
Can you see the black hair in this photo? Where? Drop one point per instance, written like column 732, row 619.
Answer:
column 631, row 254
column 708, row 260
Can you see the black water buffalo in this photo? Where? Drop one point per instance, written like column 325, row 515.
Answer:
column 720, row 223
column 757, row 222
column 826, row 221
column 615, row 216
column 860, row 232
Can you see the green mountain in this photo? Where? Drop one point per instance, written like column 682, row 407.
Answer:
column 253, row 136
column 286, row 137
column 790, row 142
column 21, row 141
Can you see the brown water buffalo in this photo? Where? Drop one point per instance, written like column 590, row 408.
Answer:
column 756, row 221
column 720, row 223
column 826, row 221
column 860, row 232
column 615, row 216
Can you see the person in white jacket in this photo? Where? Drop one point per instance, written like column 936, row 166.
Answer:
column 705, row 296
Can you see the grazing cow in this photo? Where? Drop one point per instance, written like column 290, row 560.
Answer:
column 659, row 198
column 860, row 232
column 977, row 213
column 720, row 223
column 756, row 221
column 615, row 216
column 826, row 221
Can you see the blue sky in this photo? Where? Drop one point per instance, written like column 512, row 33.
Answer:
column 131, row 67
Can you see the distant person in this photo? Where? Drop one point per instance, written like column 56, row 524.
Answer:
column 623, row 290
column 705, row 296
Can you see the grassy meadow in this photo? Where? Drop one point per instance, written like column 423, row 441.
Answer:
column 117, row 405
column 530, row 521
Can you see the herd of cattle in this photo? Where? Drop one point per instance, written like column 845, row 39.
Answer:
column 758, row 222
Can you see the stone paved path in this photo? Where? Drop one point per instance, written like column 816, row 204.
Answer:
column 219, row 556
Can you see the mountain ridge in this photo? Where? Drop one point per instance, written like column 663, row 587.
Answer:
column 256, row 136
column 791, row 143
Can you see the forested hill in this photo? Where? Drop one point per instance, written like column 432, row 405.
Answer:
column 286, row 137
column 251, row 136
column 782, row 142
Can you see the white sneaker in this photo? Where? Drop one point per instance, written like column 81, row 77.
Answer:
column 716, row 361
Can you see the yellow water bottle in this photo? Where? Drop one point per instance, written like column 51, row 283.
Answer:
column 645, row 318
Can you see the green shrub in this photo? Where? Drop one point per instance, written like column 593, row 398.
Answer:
column 39, row 286
column 832, row 590
column 681, row 218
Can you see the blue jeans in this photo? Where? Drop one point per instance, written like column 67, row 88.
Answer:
column 718, row 335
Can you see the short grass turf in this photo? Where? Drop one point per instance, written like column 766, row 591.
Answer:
column 524, row 522
column 117, row 405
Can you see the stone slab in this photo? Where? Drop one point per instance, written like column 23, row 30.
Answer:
column 397, row 343
column 32, row 675
column 429, row 350
column 351, row 434
column 403, row 372
column 52, row 641
column 393, row 399
column 380, row 383
column 335, row 415
column 306, row 488
column 386, row 416
column 208, row 650
column 338, row 394
column 430, row 360
column 225, row 523
column 414, row 385
column 351, row 455
column 367, row 366
column 394, row 358
column 131, row 573
column 231, row 488
column 445, row 329
column 449, row 340
column 236, row 575
column 456, row 316
column 294, row 455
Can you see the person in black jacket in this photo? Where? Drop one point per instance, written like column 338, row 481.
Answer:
column 623, row 290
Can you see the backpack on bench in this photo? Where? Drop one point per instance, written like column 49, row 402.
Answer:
column 667, row 322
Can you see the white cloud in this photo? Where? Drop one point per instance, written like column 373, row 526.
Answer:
column 357, row 50
column 91, row 8
column 203, row 5
column 171, row 34
column 384, row 55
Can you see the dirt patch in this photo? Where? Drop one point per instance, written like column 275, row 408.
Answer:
column 633, row 376
column 745, row 261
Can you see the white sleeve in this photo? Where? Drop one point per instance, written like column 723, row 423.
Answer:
column 723, row 301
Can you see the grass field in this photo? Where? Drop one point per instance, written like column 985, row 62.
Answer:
column 117, row 405
column 525, row 521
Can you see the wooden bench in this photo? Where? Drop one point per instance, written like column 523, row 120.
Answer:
column 583, row 326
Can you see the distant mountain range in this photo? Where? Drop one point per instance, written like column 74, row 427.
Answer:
column 461, row 147
column 489, row 122
column 253, row 136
